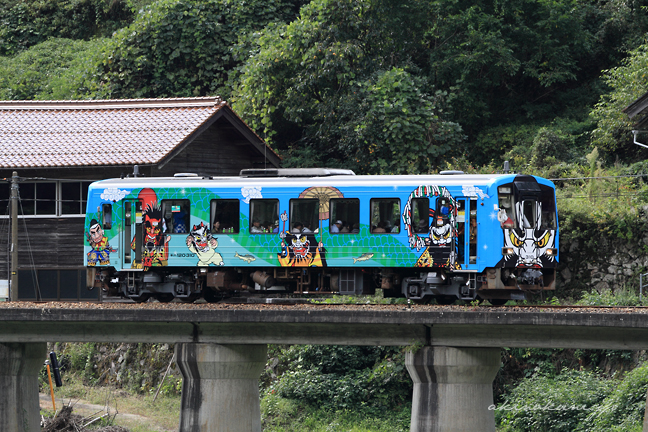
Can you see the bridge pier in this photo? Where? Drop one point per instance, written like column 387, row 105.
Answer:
column 453, row 388
column 20, row 364
column 220, row 389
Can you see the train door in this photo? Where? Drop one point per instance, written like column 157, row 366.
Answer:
column 472, row 232
column 131, row 241
column 462, row 227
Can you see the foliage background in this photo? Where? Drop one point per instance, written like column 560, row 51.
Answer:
column 385, row 86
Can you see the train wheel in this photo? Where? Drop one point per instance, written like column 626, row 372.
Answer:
column 445, row 300
column 141, row 298
column 497, row 302
column 189, row 299
column 165, row 298
column 424, row 300
column 212, row 296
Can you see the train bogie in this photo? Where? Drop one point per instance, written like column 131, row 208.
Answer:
column 442, row 237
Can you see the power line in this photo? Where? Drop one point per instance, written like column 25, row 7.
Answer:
column 598, row 178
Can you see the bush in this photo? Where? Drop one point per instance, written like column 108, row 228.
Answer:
column 625, row 406
column 28, row 23
column 556, row 404
column 549, row 146
column 54, row 69
column 623, row 296
column 341, row 377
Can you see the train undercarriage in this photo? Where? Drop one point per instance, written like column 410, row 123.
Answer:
column 497, row 285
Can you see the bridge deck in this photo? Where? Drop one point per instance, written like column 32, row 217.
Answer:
column 459, row 326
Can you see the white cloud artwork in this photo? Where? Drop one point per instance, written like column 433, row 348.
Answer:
column 473, row 191
column 114, row 194
column 250, row 193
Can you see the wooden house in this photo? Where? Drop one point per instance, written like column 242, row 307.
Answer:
column 58, row 147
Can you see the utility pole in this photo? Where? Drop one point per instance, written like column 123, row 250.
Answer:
column 13, row 287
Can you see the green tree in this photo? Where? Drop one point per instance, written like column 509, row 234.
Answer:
column 523, row 60
column 341, row 377
column 627, row 82
column 54, row 69
column 184, row 48
column 27, row 23
column 336, row 87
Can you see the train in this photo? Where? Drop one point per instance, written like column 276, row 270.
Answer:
column 321, row 231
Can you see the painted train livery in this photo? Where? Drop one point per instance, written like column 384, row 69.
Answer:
column 320, row 231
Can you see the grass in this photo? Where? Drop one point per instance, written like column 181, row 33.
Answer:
column 161, row 415
column 277, row 414
column 286, row 415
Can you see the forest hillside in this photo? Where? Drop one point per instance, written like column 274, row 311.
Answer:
column 390, row 87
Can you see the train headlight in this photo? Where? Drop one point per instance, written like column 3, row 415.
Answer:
column 508, row 251
column 552, row 251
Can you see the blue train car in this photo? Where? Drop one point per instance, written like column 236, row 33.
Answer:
column 444, row 236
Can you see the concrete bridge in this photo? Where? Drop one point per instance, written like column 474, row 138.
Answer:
column 221, row 351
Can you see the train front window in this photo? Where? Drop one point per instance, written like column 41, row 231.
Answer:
column 264, row 216
column 528, row 214
column 548, row 209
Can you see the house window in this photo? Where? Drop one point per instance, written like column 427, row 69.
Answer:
column 47, row 198
column 74, row 196
column 37, row 198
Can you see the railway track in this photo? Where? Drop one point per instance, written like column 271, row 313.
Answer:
column 300, row 303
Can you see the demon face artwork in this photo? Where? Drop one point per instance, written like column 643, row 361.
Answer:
column 155, row 243
column 440, row 249
column 530, row 239
column 100, row 253
column 300, row 249
column 201, row 242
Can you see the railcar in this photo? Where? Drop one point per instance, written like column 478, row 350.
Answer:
column 322, row 231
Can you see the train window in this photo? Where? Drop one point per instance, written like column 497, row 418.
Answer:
column 344, row 215
column 528, row 214
column 461, row 229
column 548, row 209
column 473, row 233
column 304, row 215
column 506, row 212
column 421, row 215
column 442, row 211
column 264, row 216
column 107, row 216
column 385, row 215
column 176, row 216
column 225, row 216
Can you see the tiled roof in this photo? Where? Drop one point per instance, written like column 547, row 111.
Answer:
column 100, row 132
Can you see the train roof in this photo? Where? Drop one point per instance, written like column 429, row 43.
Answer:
column 309, row 179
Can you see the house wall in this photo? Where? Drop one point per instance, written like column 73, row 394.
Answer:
column 50, row 249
